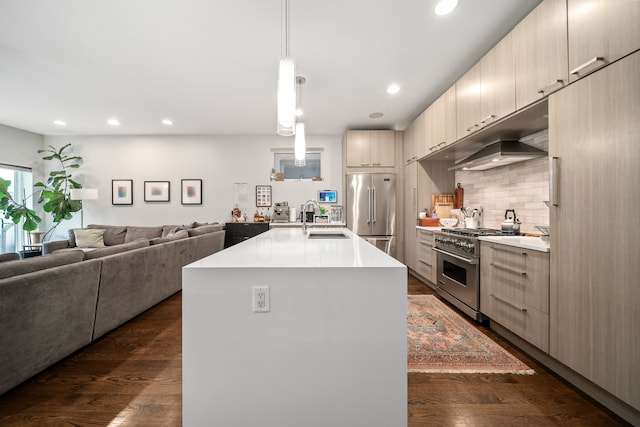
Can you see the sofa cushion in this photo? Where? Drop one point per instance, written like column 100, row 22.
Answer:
column 24, row 266
column 205, row 229
column 168, row 230
column 135, row 233
column 110, row 250
column 113, row 234
column 89, row 238
column 9, row 256
column 182, row 234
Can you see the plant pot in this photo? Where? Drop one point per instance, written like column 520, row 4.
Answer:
column 36, row 236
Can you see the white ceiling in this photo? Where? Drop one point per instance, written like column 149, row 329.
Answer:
column 211, row 65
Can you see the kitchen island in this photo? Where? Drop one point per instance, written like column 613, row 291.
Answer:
column 287, row 329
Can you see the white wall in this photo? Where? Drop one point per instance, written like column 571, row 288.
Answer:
column 220, row 161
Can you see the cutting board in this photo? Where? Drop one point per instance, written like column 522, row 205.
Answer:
column 442, row 204
column 443, row 209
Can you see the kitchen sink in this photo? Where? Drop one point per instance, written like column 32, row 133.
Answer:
column 327, row 235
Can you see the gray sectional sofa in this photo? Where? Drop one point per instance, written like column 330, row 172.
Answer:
column 53, row 305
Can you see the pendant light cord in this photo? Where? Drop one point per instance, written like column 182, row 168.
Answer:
column 285, row 30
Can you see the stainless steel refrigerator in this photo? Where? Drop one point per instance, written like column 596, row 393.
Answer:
column 371, row 208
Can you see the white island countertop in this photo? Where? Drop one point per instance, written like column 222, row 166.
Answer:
column 287, row 330
column 288, row 247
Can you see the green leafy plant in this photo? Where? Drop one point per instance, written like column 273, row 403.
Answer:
column 54, row 195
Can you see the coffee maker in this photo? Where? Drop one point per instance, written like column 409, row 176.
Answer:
column 280, row 212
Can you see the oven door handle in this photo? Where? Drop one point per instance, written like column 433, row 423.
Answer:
column 467, row 260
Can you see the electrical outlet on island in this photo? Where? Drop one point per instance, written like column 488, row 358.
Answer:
column 261, row 299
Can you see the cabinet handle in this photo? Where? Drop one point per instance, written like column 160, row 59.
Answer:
column 497, row 298
column 499, row 249
column 426, row 244
column 553, row 181
column 507, row 269
column 415, row 197
column 376, row 164
column 548, row 88
column 489, row 117
column 364, row 164
column 442, row 143
column 470, row 128
column 576, row 71
column 425, row 262
column 433, row 147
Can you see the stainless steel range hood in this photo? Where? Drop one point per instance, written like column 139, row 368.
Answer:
column 500, row 153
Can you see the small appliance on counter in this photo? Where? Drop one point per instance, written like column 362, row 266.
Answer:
column 280, row 212
column 511, row 224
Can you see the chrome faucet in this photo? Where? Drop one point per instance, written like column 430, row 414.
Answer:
column 304, row 214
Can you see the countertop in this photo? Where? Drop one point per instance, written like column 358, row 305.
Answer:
column 288, row 247
column 429, row 228
column 309, row 224
column 525, row 242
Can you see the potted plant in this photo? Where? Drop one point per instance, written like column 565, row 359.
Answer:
column 54, row 195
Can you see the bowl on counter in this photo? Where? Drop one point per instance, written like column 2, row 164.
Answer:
column 448, row 222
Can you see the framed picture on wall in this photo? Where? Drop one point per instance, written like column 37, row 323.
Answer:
column 191, row 191
column 122, row 192
column 263, row 196
column 156, row 191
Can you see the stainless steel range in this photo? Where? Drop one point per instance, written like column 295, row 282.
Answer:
column 458, row 267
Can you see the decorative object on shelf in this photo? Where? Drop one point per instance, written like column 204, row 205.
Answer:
column 83, row 194
column 286, row 95
column 53, row 195
column 156, row 191
column 122, row 192
column 236, row 214
column 263, row 196
column 191, row 192
column 448, row 222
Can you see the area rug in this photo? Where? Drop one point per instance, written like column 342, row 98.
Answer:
column 441, row 341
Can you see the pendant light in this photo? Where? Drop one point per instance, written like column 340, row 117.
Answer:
column 300, row 145
column 286, row 97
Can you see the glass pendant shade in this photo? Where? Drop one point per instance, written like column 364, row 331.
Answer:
column 300, row 146
column 286, row 97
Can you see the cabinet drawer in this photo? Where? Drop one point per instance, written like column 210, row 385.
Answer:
column 425, row 236
column 517, row 259
column 528, row 323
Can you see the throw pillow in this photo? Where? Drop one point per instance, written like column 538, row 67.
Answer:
column 93, row 238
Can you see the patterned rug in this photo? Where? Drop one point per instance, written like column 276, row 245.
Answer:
column 440, row 340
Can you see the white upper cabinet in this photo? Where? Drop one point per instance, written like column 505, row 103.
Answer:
column 540, row 50
column 600, row 32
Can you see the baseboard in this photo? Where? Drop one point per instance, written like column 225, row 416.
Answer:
column 603, row 397
column 422, row 279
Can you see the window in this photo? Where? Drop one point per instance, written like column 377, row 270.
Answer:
column 283, row 162
column 12, row 237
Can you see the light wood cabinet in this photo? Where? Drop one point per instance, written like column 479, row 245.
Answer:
column 540, row 49
column 426, row 257
column 514, row 290
column 486, row 93
column 441, row 122
column 468, row 102
column 497, row 80
column 409, row 144
column 371, row 148
column 601, row 32
column 410, row 214
column 421, row 135
column 594, row 293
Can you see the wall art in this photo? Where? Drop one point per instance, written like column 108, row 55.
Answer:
column 156, row 191
column 191, row 191
column 122, row 192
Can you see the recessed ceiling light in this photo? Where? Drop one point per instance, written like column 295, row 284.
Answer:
column 167, row 122
column 59, row 123
column 445, row 6
column 376, row 115
column 392, row 89
column 113, row 122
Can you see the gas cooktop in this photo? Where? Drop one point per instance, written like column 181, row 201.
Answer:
column 473, row 232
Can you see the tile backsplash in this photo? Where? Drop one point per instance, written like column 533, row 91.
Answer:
column 521, row 186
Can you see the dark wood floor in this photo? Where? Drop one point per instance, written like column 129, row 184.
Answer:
column 133, row 376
